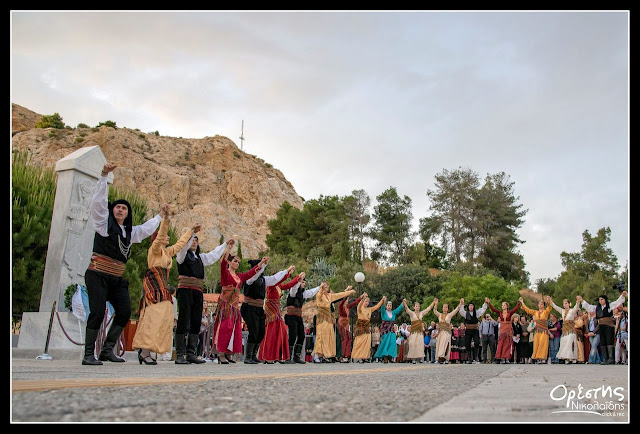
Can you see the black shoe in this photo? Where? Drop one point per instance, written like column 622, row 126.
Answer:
column 144, row 359
column 107, row 355
column 181, row 360
column 89, row 348
column 296, row 355
column 226, row 356
column 248, row 359
column 192, row 358
column 268, row 362
column 254, row 354
column 192, row 348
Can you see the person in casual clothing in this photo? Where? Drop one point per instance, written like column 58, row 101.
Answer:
column 522, row 347
column 375, row 341
column 555, row 335
column 622, row 336
column 517, row 335
column 606, row 322
column 427, row 348
column 488, row 337
column 115, row 234
column 594, row 338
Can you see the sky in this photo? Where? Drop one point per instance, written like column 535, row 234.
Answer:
column 340, row 101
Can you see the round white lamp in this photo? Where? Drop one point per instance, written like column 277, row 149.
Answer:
column 359, row 277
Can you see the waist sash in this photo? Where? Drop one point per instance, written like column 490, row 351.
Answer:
column 386, row 327
column 154, row 286
column 361, row 328
column 255, row 302
column 188, row 282
column 505, row 329
column 324, row 315
column 607, row 321
column 542, row 326
column 106, row 264
column 228, row 302
column 444, row 326
column 416, row 326
column 292, row 310
column 475, row 326
column 568, row 326
column 272, row 310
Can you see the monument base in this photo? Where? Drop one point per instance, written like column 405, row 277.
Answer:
column 34, row 327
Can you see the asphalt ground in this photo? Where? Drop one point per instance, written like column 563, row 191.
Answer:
column 63, row 390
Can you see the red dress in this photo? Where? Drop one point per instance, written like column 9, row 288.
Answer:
column 505, row 337
column 343, row 325
column 227, row 329
column 275, row 345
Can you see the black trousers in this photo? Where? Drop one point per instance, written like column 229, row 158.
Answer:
column 101, row 288
column 255, row 318
column 189, row 311
column 522, row 348
column 296, row 329
column 607, row 335
column 471, row 335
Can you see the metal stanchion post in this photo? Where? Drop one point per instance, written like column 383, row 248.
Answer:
column 45, row 356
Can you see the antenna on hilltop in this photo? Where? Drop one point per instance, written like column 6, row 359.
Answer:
column 242, row 136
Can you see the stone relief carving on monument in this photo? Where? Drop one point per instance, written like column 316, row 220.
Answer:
column 76, row 257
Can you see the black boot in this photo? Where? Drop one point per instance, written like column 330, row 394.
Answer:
column 181, row 349
column 604, row 355
column 107, row 355
column 90, row 347
column 291, row 359
column 248, row 358
column 296, row 357
column 191, row 349
column 254, row 354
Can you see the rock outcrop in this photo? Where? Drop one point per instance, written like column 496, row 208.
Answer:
column 232, row 193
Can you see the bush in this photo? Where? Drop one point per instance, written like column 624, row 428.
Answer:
column 95, row 129
column 68, row 295
column 156, row 133
column 68, row 127
column 54, row 134
column 81, row 125
column 268, row 165
column 142, row 136
column 237, row 154
column 107, row 124
column 137, row 129
column 79, row 139
column 51, row 121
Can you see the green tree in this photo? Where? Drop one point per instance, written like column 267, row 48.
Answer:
column 107, row 124
column 357, row 209
column 50, row 121
column 392, row 225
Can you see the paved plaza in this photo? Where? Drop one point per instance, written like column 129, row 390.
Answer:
column 64, row 390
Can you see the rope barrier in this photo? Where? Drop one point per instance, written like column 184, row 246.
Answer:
column 101, row 334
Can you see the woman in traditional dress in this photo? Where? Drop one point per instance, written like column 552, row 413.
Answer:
column 505, row 337
column 416, row 337
column 462, row 348
column 275, row 345
column 568, row 347
column 454, row 357
column 541, row 339
column 443, row 347
column 346, row 339
column 227, row 330
column 155, row 326
column 579, row 324
column 325, row 347
column 362, row 333
column 387, row 349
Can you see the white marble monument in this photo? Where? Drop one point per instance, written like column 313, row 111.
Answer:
column 69, row 252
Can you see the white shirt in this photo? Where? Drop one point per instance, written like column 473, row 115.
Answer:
column 612, row 306
column 308, row 293
column 268, row 280
column 100, row 214
column 207, row 258
column 479, row 312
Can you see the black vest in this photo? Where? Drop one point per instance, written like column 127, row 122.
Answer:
column 109, row 245
column 257, row 289
column 298, row 300
column 471, row 319
column 191, row 266
column 601, row 313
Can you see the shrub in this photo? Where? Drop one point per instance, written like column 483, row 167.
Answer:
column 81, row 125
column 79, row 139
column 107, row 124
column 95, row 129
column 54, row 134
column 68, row 127
column 156, row 133
column 236, row 154
column 50, row 121
column 142, row 136
column 268, row 165
column 68, row 295
column 137, row 129
column 83, row 134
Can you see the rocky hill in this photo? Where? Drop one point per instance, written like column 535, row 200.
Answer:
column 207, row 180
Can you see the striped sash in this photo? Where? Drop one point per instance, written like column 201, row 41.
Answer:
column 324, row 315
column 505, row 329
column 386, row 327
column 416, row 327
column 272, row 310
column 255, row 302
column 607, row 321
column 568, row 327
column 292, row 310
column 228, row 302
column 106, row 264
column 541, row 326
column 155, row 285
column 361, row 328
column 444, row 326
column 189, row 282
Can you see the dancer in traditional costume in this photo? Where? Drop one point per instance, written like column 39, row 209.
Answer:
column 154, row 331
column 443, row 347
column 115, row 234
column 293, row 319
column 346, row 339
column 541, row 338
column 606, row 323
column 505, row 337
column 252, row 310
column 191, row 265
column 579, row 323
column 471, row 333
column 362, row 332
column 462, row 349
column 275, row 346
column 387, row 348
column 325, row 347
column 416, row 337
column 568, row 345
column 227, row 330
